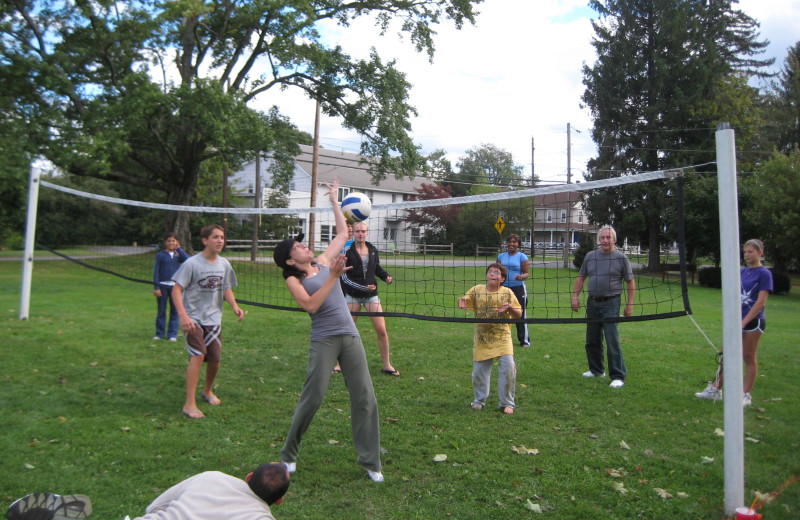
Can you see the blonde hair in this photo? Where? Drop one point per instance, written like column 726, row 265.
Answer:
column 758, row 244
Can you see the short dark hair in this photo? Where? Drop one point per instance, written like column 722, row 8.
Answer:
column 514, row 237
column 206, row 231
column 500, row 267
column 170, row 235
column 270, row 481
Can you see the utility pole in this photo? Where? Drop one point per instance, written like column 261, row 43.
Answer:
column 256, row 204
column 568, row 241
column 312, row 221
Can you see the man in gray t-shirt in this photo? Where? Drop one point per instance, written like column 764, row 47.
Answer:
column 606, row 268
column 202, row 284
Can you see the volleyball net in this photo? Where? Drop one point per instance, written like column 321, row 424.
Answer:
column 435, row 249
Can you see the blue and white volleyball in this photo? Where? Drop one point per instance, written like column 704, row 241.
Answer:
column 356, row 207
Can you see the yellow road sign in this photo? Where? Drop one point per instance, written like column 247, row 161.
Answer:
column 500, row 225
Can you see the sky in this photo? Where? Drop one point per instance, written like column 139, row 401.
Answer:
column 513, row 80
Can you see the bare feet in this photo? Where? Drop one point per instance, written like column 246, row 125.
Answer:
column 507, row 410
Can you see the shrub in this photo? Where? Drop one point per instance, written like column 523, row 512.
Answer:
column 585, row 245
column 780, row 282
column 710, row 277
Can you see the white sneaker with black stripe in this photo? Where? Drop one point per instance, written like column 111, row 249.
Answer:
column 711, row 392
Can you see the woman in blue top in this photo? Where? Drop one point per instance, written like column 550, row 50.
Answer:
column 518, row 267
column 756, row 286
column 167, row 262
column 314, row 284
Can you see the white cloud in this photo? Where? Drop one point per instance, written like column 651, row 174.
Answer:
column 514, row 76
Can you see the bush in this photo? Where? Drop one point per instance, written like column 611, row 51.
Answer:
column 710, row 277
column 780, row 282
column 585, row 246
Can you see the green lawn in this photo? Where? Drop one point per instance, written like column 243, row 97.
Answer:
column 90, row 405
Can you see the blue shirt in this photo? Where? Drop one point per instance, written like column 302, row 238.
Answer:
column 753, row 282
column 514, row 265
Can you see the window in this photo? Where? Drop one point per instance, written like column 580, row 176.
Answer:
column 390, row 234
column 344, row 192
column 325, row 233
column 251, row 189
column 549, row 215
column 563, row 215
column 580, row 216
column 415, row 235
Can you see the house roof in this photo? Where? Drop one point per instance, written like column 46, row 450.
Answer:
column 558, row 200
column 352, row 171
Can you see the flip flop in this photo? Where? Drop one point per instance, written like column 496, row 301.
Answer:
column 507, row 410
column 193, row 414
column 212, row 400
column 393, row 373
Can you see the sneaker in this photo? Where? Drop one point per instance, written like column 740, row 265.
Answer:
column 617, row 383
column 291, row 467
column 375, row 476
column 714, row 394
column 173, row 339
column 525, row 344
column 747, row 400
column 48, row 506
column 157, row 338
column 592, row 374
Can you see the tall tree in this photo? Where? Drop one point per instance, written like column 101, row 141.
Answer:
column 659, row 62
column 146, row 91
column 783, row 102
column 489, row 165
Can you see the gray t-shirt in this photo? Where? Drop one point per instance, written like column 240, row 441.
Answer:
column 333, row 317
column 606, row 272
column 204, row 284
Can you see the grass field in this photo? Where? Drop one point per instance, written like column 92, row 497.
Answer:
column 90, row 405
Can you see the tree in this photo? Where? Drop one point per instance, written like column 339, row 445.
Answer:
column 783, row 102
column 660, row 63
column 775, row 213
column 145, row 92
column 435, row 220
column 489, row 165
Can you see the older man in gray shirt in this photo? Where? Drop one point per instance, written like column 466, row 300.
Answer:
column 606, row 268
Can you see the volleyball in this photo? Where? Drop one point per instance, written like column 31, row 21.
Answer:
column 356, row 207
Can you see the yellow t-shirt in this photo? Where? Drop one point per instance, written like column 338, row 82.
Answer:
column 491, row 339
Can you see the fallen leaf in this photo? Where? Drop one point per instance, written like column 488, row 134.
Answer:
column 536, row 508
column 706, row 460
column 333, row 441
column 440, row 457
column 126, row 428
column 594, row 436
column 624, row 445
column 29, row 466
column 719, row 433
column 62, row 419
column 619, row 487
column 681, row 494
column 93, row 364
column 616, row 473
column 751, row 439
column 392, row 419
column 420, row 378
column 649, row 452
column 522, row 450
column 662, row 493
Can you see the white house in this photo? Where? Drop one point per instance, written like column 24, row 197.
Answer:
column 387, row 230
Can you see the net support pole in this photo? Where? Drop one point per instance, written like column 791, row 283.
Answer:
column 731, row 319
column 30, row 236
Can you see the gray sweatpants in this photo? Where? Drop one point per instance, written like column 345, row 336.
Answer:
column 322, row 357
column 506, row 380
